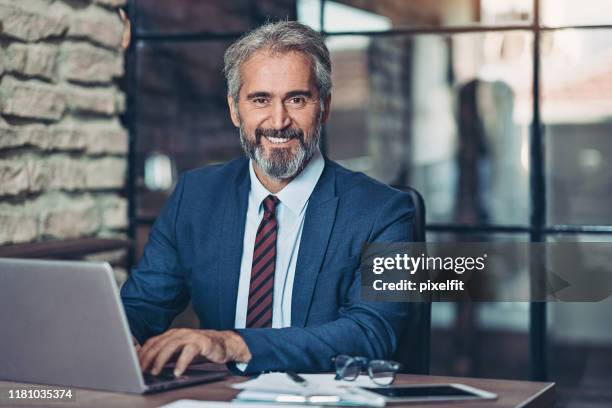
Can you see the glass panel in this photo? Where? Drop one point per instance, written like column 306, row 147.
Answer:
column 181, row 115
column 309, row 13
column 572, row 12
column 448, row 115
column 211, row 15
column 376, row 15
column 577, row 112
column 466, row 337
column 580, row 345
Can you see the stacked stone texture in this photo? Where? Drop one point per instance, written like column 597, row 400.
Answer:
column 63, row 152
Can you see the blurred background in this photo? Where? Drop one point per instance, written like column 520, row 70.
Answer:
column 497, row 111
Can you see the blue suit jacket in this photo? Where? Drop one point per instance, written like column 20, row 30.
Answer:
column 195, row 248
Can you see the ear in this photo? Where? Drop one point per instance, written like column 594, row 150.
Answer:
column 326, row 106
column 233, row 111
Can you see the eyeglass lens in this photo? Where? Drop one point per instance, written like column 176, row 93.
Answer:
column 381, row 372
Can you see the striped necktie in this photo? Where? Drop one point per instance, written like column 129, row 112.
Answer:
column 261, row 289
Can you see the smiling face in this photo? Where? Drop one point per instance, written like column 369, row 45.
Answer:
column 278, row 112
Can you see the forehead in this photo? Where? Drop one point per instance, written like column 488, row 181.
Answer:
column 276, row 72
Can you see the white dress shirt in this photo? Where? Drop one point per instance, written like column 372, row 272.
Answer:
column 290, row 214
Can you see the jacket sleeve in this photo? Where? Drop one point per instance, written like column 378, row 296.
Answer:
column 155, row 291
column 363, row 329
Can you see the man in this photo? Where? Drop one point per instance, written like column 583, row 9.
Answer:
column 267, row 246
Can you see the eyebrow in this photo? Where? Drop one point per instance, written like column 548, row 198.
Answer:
column 306, row 93
column 259, row 94
column 290, row 94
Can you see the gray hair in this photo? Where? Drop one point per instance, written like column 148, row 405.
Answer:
column 279, row 37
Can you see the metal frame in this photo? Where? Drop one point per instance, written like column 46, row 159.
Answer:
column 130, row 117
column 198, row 36
column 537, row 184
column 537, row 229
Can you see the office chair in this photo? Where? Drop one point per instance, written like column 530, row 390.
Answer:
column 414, row 339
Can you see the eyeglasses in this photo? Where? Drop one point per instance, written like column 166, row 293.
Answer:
column 382, row 372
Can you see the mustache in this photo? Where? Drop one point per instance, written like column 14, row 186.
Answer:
column 288, row 133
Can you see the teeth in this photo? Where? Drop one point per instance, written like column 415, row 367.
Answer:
column 277, row 139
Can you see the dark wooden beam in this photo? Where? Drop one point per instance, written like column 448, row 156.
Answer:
column 401, row 12
column 65, row 249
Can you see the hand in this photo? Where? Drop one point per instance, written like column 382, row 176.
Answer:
column 215, row 346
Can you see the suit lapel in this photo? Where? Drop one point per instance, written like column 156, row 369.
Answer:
column 231, row 236
column 318, row 224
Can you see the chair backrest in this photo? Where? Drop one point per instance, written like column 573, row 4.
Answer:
column 413, row 349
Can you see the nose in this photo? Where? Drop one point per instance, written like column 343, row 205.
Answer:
column 279, row 117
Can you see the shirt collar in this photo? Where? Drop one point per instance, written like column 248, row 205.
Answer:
column 295, row 195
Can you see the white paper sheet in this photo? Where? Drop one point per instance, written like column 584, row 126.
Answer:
column 267, row 386
column 188, row 403
column 282, row 382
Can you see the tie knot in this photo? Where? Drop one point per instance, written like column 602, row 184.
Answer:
column 270, row 203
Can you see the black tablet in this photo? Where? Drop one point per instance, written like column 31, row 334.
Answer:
column 431, row 393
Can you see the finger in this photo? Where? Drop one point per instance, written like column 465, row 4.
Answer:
column 148, row 354
column 213, row 351
column 217, row 354
column 165, row 354
column 190, row 351
column 154, row 343
column 154, row 340
column 149, row 344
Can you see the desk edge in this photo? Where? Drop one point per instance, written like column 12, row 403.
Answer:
column 534, row 397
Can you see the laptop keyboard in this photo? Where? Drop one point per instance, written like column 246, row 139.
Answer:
column 166, row 380
column 164, row 376
column 167, row 376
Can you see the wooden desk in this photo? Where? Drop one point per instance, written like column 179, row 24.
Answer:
column 511, row 394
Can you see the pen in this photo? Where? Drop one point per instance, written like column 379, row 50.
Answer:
column 297, row 378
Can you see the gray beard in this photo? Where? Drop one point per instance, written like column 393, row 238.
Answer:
column 281, row 164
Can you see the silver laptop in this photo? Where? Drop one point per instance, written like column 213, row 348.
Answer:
column 62, row 323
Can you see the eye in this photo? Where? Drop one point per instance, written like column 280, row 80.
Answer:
column 297, row 100
column 260, row 101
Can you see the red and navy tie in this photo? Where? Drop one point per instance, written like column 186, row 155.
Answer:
column 261, row 289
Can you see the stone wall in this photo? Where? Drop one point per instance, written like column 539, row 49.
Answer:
column 62, row 148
